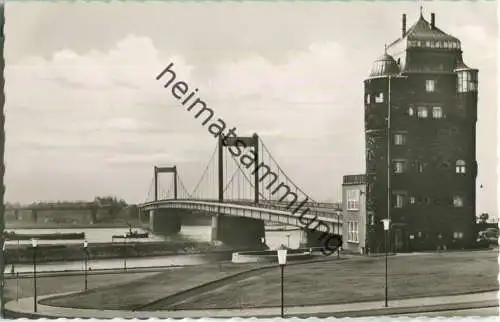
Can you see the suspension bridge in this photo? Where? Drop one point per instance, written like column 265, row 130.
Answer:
column 241, row 187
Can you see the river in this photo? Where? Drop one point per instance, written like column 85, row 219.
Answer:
column 274, row 239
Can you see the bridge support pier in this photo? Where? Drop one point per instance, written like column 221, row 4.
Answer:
column 34, row 216
column 166, row 221
column 311, row 238
column 238, row 232
column 93, row 216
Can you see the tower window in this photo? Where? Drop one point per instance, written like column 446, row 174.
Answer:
column 412, row 200
column 399, row 200
column 437, row 112
column 422, row 112
column 399, row 166
column 430, row 85
column 368, row 98
column 460, row 166
column 379, row 98
column 458, row 202
column 371, row 219
column 399, row 139
column 466, row 82
column 410, row 111
column 458, row 235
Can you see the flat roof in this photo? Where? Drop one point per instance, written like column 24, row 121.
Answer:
column 354, row 179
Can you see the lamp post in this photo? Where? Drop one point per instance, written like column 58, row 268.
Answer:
column 282, row 263
column 389, row 141
column 338, row 236
column 387, row 224
column 288, row 240
column 125, row 252
column 34, row 243
column 85, row 253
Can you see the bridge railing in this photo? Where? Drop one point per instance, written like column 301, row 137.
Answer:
column 251, row 211
column 330, row 213
column 319, row 205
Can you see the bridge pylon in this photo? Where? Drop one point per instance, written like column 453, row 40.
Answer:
column 158, row 170
column 240, row 142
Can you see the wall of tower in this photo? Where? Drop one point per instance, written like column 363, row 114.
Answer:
column 431, row 204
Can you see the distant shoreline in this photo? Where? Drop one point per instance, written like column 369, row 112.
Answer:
column 19, row 225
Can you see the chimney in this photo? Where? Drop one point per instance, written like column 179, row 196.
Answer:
column 433, row 20
column 404, row 25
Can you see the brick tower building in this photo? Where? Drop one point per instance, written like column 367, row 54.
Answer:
column 420, row 115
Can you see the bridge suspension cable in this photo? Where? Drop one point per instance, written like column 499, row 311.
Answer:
column 280, row 171
column 196, row 193
column 240, row 170
column 183, row 192
column 149, row 197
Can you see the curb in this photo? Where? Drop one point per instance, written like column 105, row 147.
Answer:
column 407, row 310
column 396, row 311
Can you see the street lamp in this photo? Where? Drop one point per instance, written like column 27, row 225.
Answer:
column 34, row 243
column 338, row 236
column 125, row 251
column 282, row 262
column 387, row 225
column 85, row 251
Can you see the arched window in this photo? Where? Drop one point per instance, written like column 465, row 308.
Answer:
column 460, row 166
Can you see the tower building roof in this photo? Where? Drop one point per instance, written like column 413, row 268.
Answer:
column 385, row 65
column 423, row 30
column 423, row 48
column 460, row 66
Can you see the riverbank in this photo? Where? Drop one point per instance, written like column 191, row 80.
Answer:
column 12, row 236
column 75, row 252
column 30, row 225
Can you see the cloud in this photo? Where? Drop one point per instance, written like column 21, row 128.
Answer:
column 102, row 115
column 101, row 110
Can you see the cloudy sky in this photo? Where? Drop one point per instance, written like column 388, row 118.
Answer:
column 86, row 117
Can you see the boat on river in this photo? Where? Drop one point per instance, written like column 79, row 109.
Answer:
column 131, row 234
